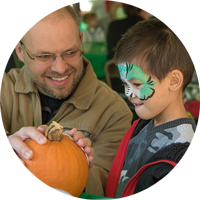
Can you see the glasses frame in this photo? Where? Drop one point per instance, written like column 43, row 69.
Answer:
column 55, row 56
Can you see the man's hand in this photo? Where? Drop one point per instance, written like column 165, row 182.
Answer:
column 85, row 143
column 17, row 140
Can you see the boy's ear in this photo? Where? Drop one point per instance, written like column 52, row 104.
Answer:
column 19, row 52
column 175, row 80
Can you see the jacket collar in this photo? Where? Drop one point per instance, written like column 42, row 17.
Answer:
column 81, row 98
column 85, row 91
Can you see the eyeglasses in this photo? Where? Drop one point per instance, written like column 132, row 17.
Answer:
column 68, row 56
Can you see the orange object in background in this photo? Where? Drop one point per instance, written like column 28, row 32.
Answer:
column 8, row 10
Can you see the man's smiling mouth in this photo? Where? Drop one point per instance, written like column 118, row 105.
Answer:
column 59, row 79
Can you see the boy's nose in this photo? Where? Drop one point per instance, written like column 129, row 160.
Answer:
column 132, row 95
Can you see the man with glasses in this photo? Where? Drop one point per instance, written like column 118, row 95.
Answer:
column 58, row 84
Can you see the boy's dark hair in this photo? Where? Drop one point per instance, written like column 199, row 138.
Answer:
column 131, row 10
column 155, row 47
column 88, row 16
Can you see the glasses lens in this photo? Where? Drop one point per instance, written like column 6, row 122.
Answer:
column 71, row 56
column 49, row 58
column 44, row 58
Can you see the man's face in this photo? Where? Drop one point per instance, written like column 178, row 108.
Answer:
column 59, row 78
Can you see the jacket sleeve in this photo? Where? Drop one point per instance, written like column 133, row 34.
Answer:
column 105, row 148
column 100, row 176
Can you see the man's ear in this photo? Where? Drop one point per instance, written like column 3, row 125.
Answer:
column 175, row 80
column 81, row 36
column 19, row 51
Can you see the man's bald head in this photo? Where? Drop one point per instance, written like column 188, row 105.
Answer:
column 42, row 10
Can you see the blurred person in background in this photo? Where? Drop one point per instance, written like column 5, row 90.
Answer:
column 156, row 8
column 94, row 32
column 118, row 27
column 114, row 8
column 111, row 15
column 99, row 8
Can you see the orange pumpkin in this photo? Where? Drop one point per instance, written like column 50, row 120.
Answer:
column 60, row 164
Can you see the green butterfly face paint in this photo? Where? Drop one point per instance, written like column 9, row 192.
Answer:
column 129, row 71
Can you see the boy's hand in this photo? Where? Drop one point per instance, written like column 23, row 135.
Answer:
column 83, row 142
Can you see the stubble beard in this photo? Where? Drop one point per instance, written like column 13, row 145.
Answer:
column 50, row 92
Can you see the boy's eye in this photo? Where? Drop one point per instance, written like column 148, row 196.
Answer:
column 124, row 84
column 137, row 84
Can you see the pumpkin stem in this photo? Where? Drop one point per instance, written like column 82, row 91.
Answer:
column 54, row 132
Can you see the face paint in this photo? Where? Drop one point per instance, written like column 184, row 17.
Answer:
column 131, row 92
column 129, row 71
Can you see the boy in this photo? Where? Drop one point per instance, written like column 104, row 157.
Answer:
column 94, row 32
column 155, row 69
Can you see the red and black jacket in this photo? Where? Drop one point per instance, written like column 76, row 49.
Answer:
column 155, row 169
